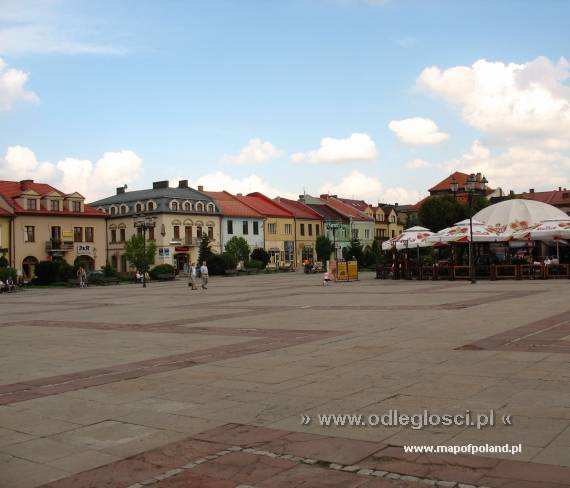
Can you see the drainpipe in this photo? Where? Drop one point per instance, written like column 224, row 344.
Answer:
column 295, row 242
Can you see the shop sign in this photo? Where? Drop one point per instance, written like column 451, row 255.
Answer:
column 85, row 250
column 164, row 252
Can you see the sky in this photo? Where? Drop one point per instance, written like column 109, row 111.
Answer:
column 372, row 99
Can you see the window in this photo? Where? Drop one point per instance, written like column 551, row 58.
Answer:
column 56, row 233
column 122, row 235
column 89, row 234
column 245, row 227
column 76, row 206
column 124, row 209
column 302, row 229
column 114, row 236
column 187, row 206
column 78, row 234
column 139, row 231
column 114, row 262
column 289, row 249
column 230, row 226
column 355, row 233
column 150, row 206
column 174, row 206
column 30, row 233
column 200, row 207
column 210, row 232
column 317, row 229
column 54, row 204
column 32, row 204
column 199, row 232
column 123, row 262
column 310, row 229
column 256, row 228
column 393, row 233
column 151, row 233
column 139, row 208
column 188, row 234
column 272, row 228
column 367, row 233
column 288, row 229
column 177, row 232
column 113, row 211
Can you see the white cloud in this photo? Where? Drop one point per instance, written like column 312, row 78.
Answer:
column 357, row 147
column 417, row 164
column 512, row 100
column 369, row 188
column 72, row 174
column 255, row 152
column 518, row 168
column 219, row 181
column 417, row 131
column 12, row 87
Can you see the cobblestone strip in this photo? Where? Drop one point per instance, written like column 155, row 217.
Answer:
column 357, row 470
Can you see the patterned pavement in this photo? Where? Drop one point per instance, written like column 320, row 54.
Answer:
column 125, row 387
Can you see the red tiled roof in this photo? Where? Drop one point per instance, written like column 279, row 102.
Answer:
column 298, row 209
column 264, row 205
column 357, row 204
column 231, row 206
column 552, row 197
column 326, row 212
column 4, row 213
column 11, row 190
column 461, row 178
column 345, row 209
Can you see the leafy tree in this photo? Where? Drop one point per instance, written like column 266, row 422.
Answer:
column 439, row 212
column 354, row 250
column 238, row 247
column 136, row 255
column 260, row 254
column 324, row 248
column 205, row 253
column 3, row 262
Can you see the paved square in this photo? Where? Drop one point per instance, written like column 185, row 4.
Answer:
column 121, row 386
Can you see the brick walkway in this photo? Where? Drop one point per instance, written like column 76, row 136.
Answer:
column 120, row 386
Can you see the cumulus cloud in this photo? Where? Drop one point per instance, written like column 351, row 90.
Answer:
column 92, row 180
column 417, row 164
column 507, row 99
column 518, row 168
column 219, row 181
column 417, row 131
column 369, row 188
column 255, row 152
column 357, row 147
column 13, row 87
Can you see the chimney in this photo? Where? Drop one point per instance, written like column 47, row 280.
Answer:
column 200, row 188
column 239, row 194
column 512, row 193
column 121, row 190
column 559, row 188
column 25, row 184
column 157, row 185
column 183, row 184
column 301, row 198
column 396, row 205
column 531, row 190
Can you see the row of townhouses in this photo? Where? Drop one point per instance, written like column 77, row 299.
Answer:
column 39, row 222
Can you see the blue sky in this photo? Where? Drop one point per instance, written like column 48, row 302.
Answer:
column 134, row 91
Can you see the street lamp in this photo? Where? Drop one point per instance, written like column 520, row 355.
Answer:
column 333, row 227
column 472, row 185
column 142, row 223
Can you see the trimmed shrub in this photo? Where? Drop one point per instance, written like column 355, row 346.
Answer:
column 6, row 272
column 260, row 254
column 230, row 260
column 162, row 269
column 216, row 265
column 255, row 264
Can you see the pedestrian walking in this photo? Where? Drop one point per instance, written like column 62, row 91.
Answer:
column 204, row 275
column 192, row 276
column 82, row 276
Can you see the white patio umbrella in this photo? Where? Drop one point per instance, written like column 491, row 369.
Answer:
column 511, row 216
column 461, row 232
column 412, row 238
column 548, row 230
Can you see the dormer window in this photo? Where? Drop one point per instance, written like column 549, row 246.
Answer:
column 174, row 206
column 113, row 210
column 187, row 207
column 138, row 207
column 124, row 209
column 76, row 206
column 200, row 207
column 32, row 204
column 54, row 205
column 211, row 207
column 150, row 206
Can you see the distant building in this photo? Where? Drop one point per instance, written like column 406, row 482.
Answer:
column 361, row 224
column 238, row 220
column 387, row 221
column 46, row 223
column 558, row 198
column 182, row 215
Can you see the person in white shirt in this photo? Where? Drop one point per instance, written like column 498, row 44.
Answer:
column 204, row 275
column 192, row 275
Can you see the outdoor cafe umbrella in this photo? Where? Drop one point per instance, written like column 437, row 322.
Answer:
column 460, row 232
column 557, row 230
column 409, row 239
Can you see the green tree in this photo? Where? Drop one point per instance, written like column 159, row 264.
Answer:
column 439, row 212
column 324, row 248
column 238, row 247
column 204, row 252
column 354, row 250
column 139, row 255
column 260, row 254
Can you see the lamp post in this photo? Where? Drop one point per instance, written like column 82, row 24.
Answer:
column 333, row 227
column 471, row 186
column 142, row 223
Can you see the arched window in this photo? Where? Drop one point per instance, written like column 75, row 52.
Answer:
column 187, row 207
column 139, row 207
column 174, row 206
column 200, row 207
column 113, row 210
column 211, row 207
column 150, row 206
column 124, row 209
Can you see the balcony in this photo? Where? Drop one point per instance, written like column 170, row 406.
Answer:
column 58, row 246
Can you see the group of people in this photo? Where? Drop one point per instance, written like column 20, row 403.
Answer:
column 193, row 271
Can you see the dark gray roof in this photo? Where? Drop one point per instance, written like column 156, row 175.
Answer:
column 171, row 193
